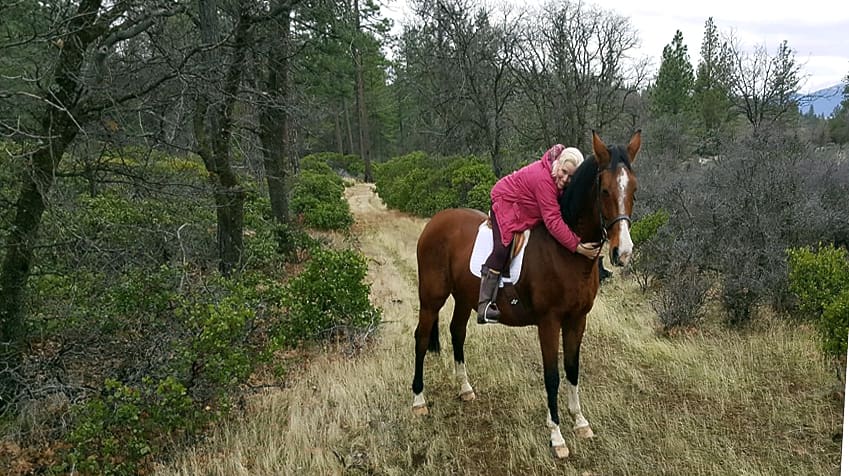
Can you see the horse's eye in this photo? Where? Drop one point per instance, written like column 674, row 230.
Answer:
column 605, row 192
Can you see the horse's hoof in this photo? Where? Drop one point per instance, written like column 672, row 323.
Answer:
column 420, row 410
column 560, row 452
column 584, row 432
column 468, row 396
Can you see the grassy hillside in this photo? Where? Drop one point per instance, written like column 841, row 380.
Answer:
column 709, row 402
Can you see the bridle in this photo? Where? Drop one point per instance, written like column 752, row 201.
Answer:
column 604, row 224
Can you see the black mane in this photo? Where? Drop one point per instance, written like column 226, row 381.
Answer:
column 583, row 183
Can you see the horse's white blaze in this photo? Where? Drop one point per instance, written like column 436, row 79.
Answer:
column 556, row 436
column 574, row 404
column 460, row 372
column 626, row 246
column 419, row 400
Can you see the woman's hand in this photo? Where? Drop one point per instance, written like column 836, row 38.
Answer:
column 589, row 250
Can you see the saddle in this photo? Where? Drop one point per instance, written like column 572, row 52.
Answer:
column 518, row 242
column 483, row 247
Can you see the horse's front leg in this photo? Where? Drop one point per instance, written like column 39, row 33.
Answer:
column 549, row 342
column 573, row 333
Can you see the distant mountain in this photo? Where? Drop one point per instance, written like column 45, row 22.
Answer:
column 824, row 100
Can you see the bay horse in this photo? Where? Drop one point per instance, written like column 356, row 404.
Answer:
column 556, row 289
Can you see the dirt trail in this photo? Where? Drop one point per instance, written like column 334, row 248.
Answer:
column 388, row 238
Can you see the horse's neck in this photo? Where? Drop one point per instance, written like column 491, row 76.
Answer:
column 588, row 225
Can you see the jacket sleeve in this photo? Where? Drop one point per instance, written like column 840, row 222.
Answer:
column 546, row 196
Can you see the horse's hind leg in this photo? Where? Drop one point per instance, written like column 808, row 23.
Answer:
column 427, row 338
column 459, row 320
column 572, row 336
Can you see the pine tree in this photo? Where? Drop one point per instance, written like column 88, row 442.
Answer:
column 672, row 92
column 710, row 90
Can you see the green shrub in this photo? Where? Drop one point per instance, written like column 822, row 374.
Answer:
column 834, row 325
column 820, row 280
column 317, row 163
column 318, row 199
column 479, row 197
column 327, row 297
column 422, row 185
column 217, row 352
column 351, row 165
column 817, row 277
column 646, row 227
column 329, row 216
column 119, row 431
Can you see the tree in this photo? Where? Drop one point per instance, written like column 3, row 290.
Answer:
column 673, row 89
column 838, row 124
column 460, row 55
column 72, row 89
column 572, row 73
column 710, row 93
column 762, row 85
column 213, row 123
column 274, row 118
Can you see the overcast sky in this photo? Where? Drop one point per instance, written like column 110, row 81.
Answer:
column 817, row 30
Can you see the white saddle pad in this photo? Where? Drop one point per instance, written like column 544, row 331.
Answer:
column 482, row 249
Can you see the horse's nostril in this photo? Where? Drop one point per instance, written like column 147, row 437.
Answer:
column 615, row 256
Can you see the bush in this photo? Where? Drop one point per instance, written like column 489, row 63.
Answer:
column 834, row 325
column 820, row 280
column 422, row 185
column 646, row 227
column 116, row 433
column 817, row 277
column 680, row 299
column 318, row 199
column 350, row 165
column 327, row 297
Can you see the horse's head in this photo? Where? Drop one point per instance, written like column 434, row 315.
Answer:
column 617, row 185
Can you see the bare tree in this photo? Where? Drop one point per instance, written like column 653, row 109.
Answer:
column 762, row 85
column 461, row 59
column 575, row 71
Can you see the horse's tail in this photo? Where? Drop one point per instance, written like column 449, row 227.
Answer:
column 433, row 342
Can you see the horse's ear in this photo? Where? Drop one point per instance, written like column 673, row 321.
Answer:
column 634, row 146
column 602, row 155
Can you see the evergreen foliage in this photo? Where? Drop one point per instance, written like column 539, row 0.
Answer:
column 820, row 280
column 673, row 89
column 423, row 185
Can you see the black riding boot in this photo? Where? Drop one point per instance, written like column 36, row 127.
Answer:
column 488, row 313
column 602, row 273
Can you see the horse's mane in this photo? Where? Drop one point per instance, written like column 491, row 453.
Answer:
column 580, row 187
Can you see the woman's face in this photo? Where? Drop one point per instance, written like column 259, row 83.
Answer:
column 563, row 175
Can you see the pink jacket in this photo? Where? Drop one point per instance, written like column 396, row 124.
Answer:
column 527, row 197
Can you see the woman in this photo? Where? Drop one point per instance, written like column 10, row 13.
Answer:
column 520, row 201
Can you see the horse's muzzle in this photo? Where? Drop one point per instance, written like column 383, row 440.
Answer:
column 619, row 259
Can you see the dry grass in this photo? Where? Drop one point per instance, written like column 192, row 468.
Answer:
column 703, row 403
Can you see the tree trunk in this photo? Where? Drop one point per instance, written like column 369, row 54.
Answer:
column 348, row 128
column 213, row 127
column 60, row 128
column 274, row 119
column 362, row 115
column 230, row 206
column 340, row 147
